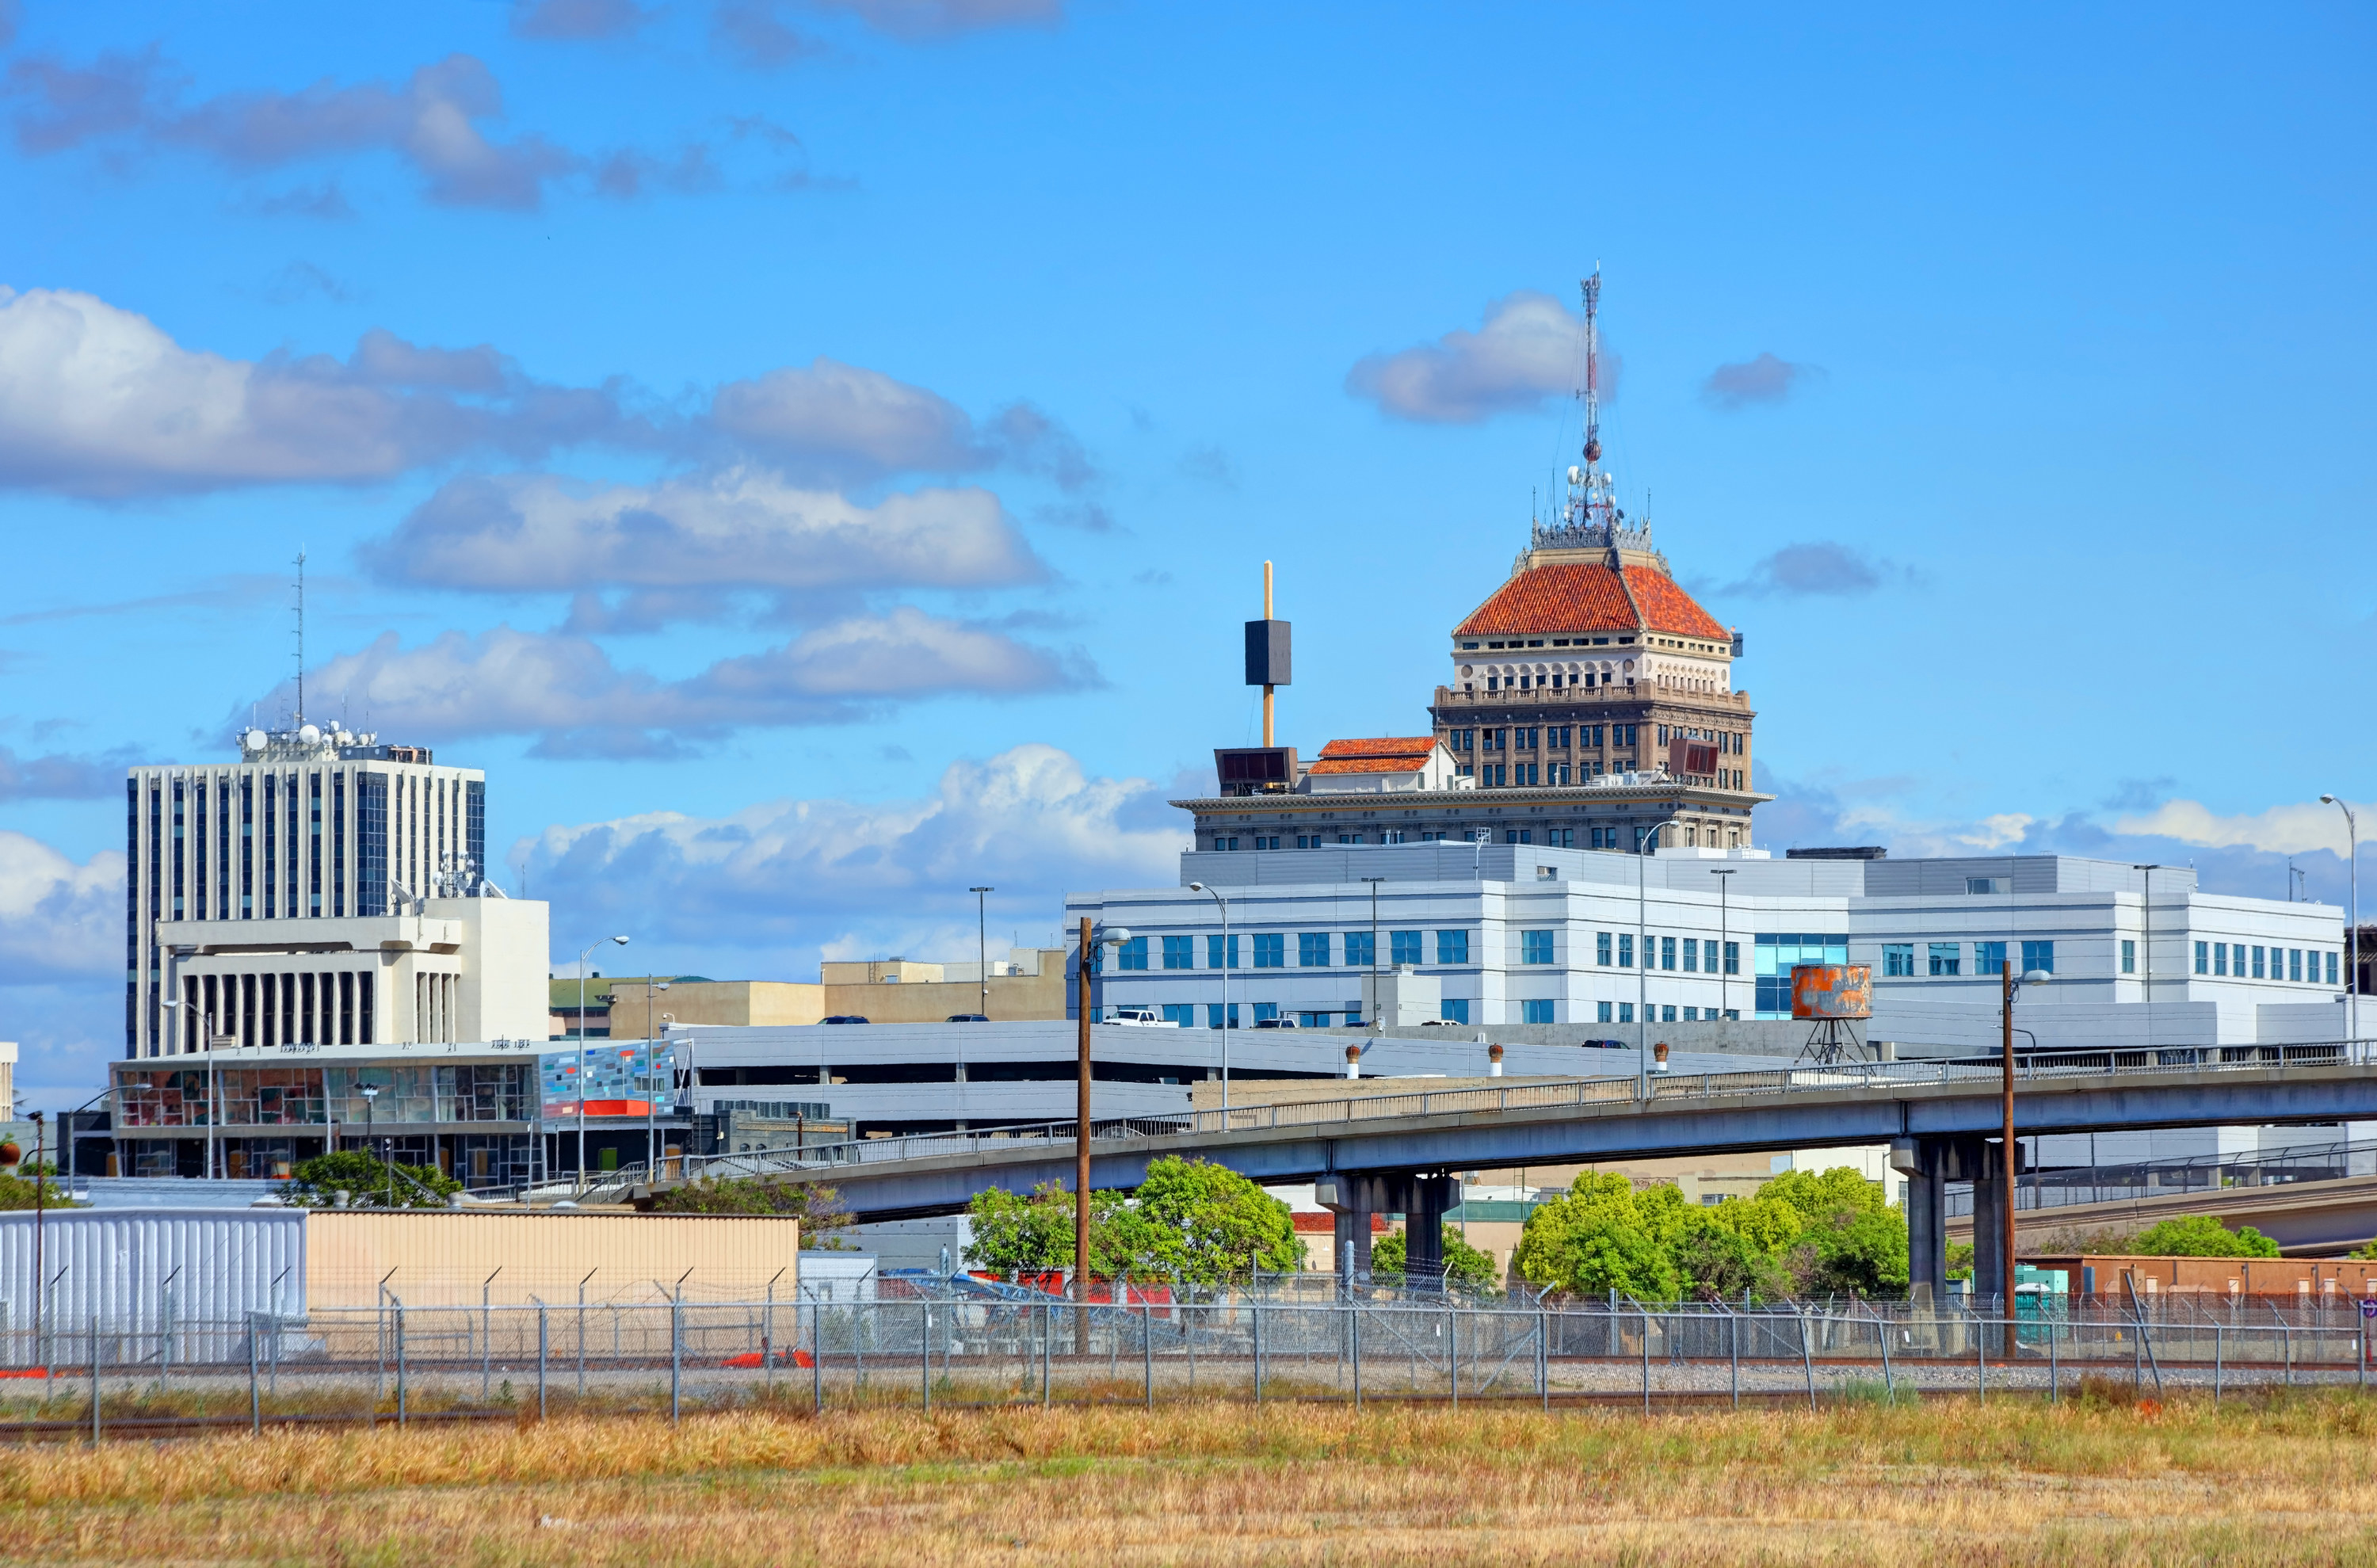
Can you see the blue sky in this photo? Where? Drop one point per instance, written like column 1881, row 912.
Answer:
column 816, row 456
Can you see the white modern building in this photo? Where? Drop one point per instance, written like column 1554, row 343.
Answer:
column 326, row 889
column 1516, row 934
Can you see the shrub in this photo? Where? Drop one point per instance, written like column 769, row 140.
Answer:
column 2202, row 1236
column 817, row 1208
column 372, row 1182
column 1464, row 1264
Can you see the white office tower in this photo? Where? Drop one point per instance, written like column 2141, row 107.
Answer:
column 326, row 889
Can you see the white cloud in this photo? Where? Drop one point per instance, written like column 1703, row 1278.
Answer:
column 1529, row 348
column 2295, row 829
column 96, row 400
column 566, row 690
column 847, row 421
column 812, row 872
column 741, row 529
column 58, row 918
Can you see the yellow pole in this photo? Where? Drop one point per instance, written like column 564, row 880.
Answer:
column 1267, row 690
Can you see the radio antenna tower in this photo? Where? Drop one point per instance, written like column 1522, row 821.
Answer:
column 301, row 637
column 1591, row 517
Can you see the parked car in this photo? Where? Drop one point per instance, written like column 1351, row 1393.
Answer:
column 1274, row 1022
column 1140, row 1018
column 969, row 1018
column 843, row 1018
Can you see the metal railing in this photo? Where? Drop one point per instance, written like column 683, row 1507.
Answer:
column 932, row 1341
column 2064, row 1187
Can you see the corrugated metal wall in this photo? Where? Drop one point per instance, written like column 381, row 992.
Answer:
column 443, row 1256
column 140, row 1270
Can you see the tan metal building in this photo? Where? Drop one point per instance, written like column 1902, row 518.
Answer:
column 438, row 1257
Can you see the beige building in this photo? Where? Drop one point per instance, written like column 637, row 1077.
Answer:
column 438, row 1258
column 1028, row 984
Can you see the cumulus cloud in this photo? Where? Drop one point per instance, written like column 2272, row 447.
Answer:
column 96, row 400
column 2294, row 829
column 572, row 19
column 843, row 423
column 1029, row 820
column 755, row 33
column 433, row 121
column 1817, row 569
column 737, row 530
column 565, row 689
column 58, row 918
column 57, row 776
column 938, row 19
column 1529, row 348
column 1765, row 379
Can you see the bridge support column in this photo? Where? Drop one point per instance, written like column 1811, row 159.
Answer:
column 1929, row 1165
column 1992, row 1270
column 1353, row 1196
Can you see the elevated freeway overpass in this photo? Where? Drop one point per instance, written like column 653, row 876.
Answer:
column 1384, row 1150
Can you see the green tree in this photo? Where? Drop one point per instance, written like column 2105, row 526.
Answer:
column 1464, row 1264
column 1863, row 1253
column 1602, row 1235
column 818, row 1207
column 1207, row 1224
column 371, row 1183
column 15, row 1192
column 1033, row 1232
column 1824, row 1197
column 2202, row 1236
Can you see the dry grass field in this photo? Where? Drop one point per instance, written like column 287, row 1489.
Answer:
column 2101, row 1480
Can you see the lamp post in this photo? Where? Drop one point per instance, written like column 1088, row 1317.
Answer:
column 982, row 945
column 651, row 1094
column 581, row 1052
column 1226, row 956
column 370, row 1097
column 2005, row 1235
column 1724, row 939
column 1641, row 970
column 1093, row 944
column 2352, row 943
column 1373, row 1000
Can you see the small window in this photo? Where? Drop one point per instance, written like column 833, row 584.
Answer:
column 1312, row 950
column 1403, row 947
column 1667, row 952
column 1946, row 958
column 2220, row 958
column 2331, row 969
column 1692, row 956
column 2128, row 956
column 2294, row 964
column 1601, row 1011
column 1897, row 960
column 1271, row 950
column 1535, row 1011
column 1732, row 963
column 1600, row 949
column 1535, row 947
column 1692, row 1014
column 2257, row 963
column 1214, row 1015
column 1989, row 884
column 1667, row 1014
column 2038, row 958
column 1988, row 958
column 1452, row 947
column 2204, row 958
column 1215, row 955
column 1454, row 1009
column 1181, row 1012
column 1266, row 1010
column 1132, row 954
column 1361, row 950
column 1179, row 953
column 1625, row 1013
column 1625, row 950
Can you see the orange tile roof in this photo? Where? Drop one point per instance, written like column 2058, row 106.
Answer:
column 1385, row 746
column 1404, row 764
column 1590, row 596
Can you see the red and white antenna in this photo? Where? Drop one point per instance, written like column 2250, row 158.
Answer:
column 1592, row 287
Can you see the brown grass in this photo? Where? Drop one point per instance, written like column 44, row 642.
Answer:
column 2101, row 1480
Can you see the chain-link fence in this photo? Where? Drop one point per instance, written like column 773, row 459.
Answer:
column 969, row 1343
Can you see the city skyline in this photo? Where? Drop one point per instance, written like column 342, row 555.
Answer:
column 816, row 458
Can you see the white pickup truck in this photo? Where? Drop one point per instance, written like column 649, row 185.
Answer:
column 1138, row 1018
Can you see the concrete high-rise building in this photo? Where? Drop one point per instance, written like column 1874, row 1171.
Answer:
column 327, row 888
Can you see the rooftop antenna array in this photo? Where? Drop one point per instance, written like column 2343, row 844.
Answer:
column 1591, row 517
column 301, row 637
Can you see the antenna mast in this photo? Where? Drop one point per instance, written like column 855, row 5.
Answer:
column 301, row 637
column 1591, row 517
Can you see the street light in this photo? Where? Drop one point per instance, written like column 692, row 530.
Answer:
column 2352, row 945
column 2006, row 1236
column 1724, row 994
column 982, row 945
column 1374, row 882
column 651, row 1096
column 1226, row 956
column 1093, row 942
column 581, row 1052
column 371, row 1096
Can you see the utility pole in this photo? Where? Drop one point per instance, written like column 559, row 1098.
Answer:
column 1374, row 882
column 1724, row 940
column 2352, row 918
column 982, row 945
column 2005, row 1206
column 1082, row 1160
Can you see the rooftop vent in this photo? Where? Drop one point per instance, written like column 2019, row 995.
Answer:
column 1842, row 852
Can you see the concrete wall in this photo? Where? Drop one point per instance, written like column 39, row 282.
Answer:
column 1012, row 997
column 504, row 949
column 734, row 1003
column 442, row 1257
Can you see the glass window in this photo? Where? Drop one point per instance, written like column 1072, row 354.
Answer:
column 1535, row 947
column 2128, row 956
column 1132, row 954
column 1214, row 1015
column 1625, row 950
column 1312, row 950
column 1601, row 1012
column 2294, row 964
column 1667, row 1015
column 1271, row 950
column 1264, row 1010
column 1897, row 960
column 1179, row 953
column 2220, row 958
column 2331, row 969
column 1625, row 1013
column 1989, row 884
column 1361, row 950
column 1946, row 957
column 1692, row 1014
column 1535, row 1011
column 1454, row 1010
column 1988, row 958
column 1452, row 947
column 1691, row 955
column 2257, row 963
column 1733, row 958
column 2040, row 956
column 1181, row 1012
column 1215, row 957
column 1601, row 947
column 1404, row 946
column 1667, row 952
column 2204, row 958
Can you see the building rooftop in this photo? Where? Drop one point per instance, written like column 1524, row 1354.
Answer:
column 1591, row 596
column 1391, row 754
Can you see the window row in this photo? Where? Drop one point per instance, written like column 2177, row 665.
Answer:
column 1947, row 959
column 1689, row 955
column 1452, row 1010
column 1268, row 950
column 2237, row 961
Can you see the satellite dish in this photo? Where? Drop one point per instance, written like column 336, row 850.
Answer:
column 308, row 734
column 253, row 740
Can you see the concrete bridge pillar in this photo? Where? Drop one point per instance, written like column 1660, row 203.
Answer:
column 1929, row 1165
column 1353, row 1196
